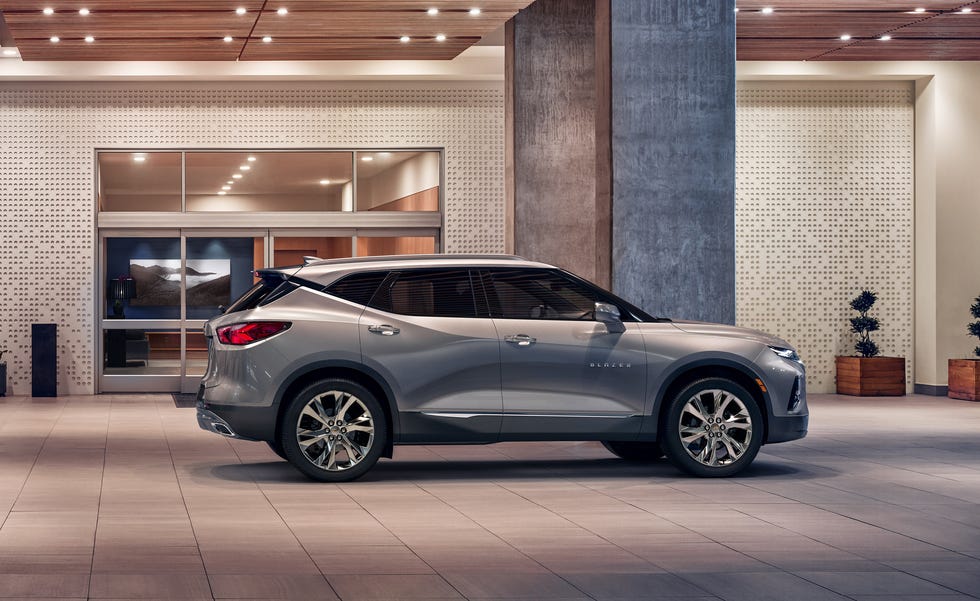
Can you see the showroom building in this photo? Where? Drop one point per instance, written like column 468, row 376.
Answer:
column 766, row 193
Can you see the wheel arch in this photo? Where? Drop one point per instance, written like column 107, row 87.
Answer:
column 718, row 367
column 348, row 370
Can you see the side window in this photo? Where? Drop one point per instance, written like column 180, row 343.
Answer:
column 538, row 294
column 358, row 287
column 428, row 292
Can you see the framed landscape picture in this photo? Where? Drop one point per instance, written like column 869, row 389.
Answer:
column 158, row 282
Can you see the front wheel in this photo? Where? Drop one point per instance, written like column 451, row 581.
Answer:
column 712, row 428
column 333, row 431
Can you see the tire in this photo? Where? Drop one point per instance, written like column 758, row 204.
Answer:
column 328, row 451
column 636, row 452
column 712, row 449
column 276, row 447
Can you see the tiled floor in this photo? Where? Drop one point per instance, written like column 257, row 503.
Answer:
column 118, row 497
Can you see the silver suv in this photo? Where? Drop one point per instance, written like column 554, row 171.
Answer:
column 334, row 362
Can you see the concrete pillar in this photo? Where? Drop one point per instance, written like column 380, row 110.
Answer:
column 621, row 125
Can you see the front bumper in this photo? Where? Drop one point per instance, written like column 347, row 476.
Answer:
column 783, row 428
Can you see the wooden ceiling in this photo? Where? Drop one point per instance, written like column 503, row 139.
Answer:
column 309, row 30
column 812, row 29
column 370, row 29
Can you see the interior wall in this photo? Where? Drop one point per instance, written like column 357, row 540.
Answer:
column 947, row 194
column 49, row 133
column 406, row 178
column 824, row 209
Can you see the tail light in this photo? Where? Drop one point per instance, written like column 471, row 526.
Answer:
column 240, row 334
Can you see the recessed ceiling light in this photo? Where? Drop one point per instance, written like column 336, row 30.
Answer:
column 736, row 9
column 228, row 38
column 266, row 39
column 966, row 10
column 474, row 11
column 221, row 192
column 89, row 39
column 10, row 52
column 433, row 11
column 251, row 159
column 83, row 11
column 767, row 10
column 240, row 10
column 441, row 38
column 55, row 39
column 282, row 11
column 229, row 182
column 919, row 10
column 324, row 182
column 845, row 37
column 48, row 11
column 384, row 154
column 367, row 159
column 237, row 176
column 885, row 38
column 405, row 38
column 226, row 187
column 245, row 167
column 139, row 158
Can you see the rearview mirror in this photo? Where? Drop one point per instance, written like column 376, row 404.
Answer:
column 609, row 315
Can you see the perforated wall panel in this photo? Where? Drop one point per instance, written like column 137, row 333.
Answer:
column 49, row 132
column 824, row 209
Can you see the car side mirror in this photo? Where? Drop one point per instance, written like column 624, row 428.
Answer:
column 609, row 315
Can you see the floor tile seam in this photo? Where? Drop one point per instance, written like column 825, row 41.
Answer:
column 37, row 456
column 886, row 596
column 914, row 509
column 422, row 559
column 183, row 501
column 576, row 524
column 98, row 512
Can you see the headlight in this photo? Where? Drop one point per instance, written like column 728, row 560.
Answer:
column 786, row 353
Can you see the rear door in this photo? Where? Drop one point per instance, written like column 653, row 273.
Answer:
column 563, row 374
column 423, row 332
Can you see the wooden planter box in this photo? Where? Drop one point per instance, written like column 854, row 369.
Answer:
column 871, row 376
column 964, row 379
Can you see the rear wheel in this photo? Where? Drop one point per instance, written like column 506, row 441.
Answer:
column 712, row 428
column 333, row 431
column 637, row 452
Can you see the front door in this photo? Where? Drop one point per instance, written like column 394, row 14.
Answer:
column 563, row 374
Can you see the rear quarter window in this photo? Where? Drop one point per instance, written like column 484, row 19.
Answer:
column 358, row 288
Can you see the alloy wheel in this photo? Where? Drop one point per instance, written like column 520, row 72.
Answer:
column 715, row 428
column 335, row 431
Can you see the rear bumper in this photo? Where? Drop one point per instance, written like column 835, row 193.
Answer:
column 783, row 428
column 246, row 423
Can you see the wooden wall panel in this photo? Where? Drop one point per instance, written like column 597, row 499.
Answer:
column 426, row 200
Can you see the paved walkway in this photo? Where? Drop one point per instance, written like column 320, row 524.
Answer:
column 123, row 497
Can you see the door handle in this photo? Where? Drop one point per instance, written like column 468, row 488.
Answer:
column 521, row 339
column 384, row 330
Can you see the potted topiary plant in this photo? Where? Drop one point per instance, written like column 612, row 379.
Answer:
column 867, row 374
column 964, row 374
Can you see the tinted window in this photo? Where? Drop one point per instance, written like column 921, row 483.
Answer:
column 538, row 294
column 258, row 293
column 359, row 287
column 435, row 293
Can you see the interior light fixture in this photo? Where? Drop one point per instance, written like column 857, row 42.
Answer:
column 240, row 10
column 237, row 176
column 845, row 37
column 266, row 40
column 89, row 39
column 226, row 187
column 324, row 182
column 441, row 38
column 48, row 11
column 405, row 38
column 384, row 154
column 139, row 158
column 767, row 10
column 282, row 11
column 83, row 11
column 229, row 182
column 245, row 167
column 221, row 192
column 966, row 11
column 885, row 38
column 228, row 38
column 474, row 11
column 55, row 39
column 10, row 52
column 736, row 9
column 367, row 159
column 433, row 11
column 919, row 10
column 251, row 159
